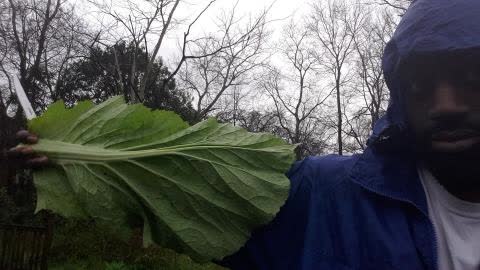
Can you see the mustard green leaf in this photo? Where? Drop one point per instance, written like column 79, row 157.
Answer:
column 199, row 190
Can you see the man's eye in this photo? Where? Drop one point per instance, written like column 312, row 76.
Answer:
column 471, row 80
column 419, row 87
column 472, row 76
column 415, row 88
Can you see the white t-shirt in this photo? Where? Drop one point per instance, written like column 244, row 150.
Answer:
column 457, row 226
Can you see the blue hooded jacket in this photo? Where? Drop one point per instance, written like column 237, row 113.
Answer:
column 367, row 211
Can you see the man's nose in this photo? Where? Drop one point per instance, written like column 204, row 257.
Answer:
column 447, row 102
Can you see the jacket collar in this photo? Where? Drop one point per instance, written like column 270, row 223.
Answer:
column 391, row 174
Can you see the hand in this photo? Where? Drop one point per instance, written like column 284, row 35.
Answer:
column 24, row 156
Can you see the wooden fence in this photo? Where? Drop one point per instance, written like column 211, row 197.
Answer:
column 24, row 247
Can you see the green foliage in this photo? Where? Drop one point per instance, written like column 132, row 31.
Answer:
column 119, row 266
column 17, row 201
column 81, row 244
column 9, row 211
column 200, row 190
column 96, row 78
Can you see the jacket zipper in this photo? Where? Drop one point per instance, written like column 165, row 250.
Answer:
column 435, row 244
column 432, row 226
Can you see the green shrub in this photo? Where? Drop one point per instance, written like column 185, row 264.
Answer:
column 17, row 201
column 118, row 266
column 80, row 244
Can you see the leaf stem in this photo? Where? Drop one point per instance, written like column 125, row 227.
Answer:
column 61, row 151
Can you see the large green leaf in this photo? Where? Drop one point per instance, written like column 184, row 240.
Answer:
column 199, row 190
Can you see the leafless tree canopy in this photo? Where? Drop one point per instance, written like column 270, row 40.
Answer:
column 334, row 25
column 317, row 83
column 293, row 87
column 39, row 40
column 400, row 6
column 369, row 88
column 224, row 60
column 142, row 23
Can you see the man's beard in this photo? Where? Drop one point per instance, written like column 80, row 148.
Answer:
column 457, row 172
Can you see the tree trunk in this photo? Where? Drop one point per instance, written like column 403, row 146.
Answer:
column 339, row 117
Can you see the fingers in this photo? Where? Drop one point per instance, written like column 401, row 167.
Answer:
column 26, row 137
column 26, row 150
column 37, row 162
column 20, row 151
column 22, row 135
column 32, row 139
column 25, row 157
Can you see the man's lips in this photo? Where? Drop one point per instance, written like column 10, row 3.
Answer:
column 454, row 135
column 454, row 140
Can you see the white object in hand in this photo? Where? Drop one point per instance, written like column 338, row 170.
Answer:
column 24, row 102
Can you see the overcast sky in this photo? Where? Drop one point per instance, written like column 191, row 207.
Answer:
column 281, row 11
column 281, row 8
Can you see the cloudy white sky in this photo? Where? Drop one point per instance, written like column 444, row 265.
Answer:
column 280, row 13
column 281, row 10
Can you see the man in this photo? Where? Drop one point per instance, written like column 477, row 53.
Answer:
column 412, row 199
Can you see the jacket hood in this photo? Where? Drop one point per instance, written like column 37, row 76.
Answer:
column 429, row 27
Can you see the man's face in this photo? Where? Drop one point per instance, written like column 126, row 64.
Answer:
column 443, row 106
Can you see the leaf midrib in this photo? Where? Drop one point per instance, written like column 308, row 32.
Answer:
column 63, row 151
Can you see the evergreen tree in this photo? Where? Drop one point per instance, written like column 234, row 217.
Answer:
column 113, row 71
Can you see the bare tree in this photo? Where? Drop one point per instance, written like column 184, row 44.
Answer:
column 294, row 90
column 400, row 6
column 39, row 39
column 146, row 20
column 224, row 60
column 140, row 22
column 369, row 91
column 234, row 104
column 334, row 25
column 369, row 45
column 357, row 127
column 252, row 120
